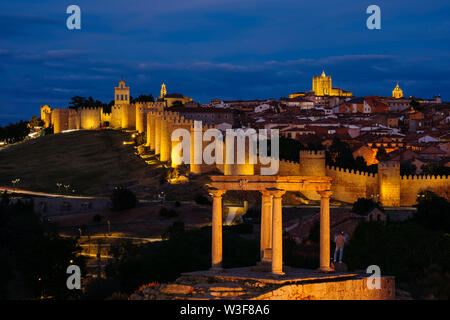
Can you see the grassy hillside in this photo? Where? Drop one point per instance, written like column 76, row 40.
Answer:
column 91, row 162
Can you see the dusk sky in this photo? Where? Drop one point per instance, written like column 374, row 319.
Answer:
column 229, row 49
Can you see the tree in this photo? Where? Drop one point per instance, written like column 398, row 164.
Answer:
column 143, row 98
column 79, row 102
column 14, row 132
column 363, row 205
column 184, row 251
column 433, row 211
column 381, row 154
column 34, row 258
column 405, row 250
column 122, row 199
column 434, row 169
column 407, row 168
column 35, row 122
column 340, row 154
column 290, row 149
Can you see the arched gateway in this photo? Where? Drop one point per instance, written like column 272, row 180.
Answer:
column 272, row 189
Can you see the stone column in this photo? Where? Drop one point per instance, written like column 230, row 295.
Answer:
column 216, row 243
column 325, row 231
column 266, row 227
column 277, row 232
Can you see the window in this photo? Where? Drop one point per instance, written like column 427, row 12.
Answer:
column 126, row 97
column 121, row 97
column 118, row 98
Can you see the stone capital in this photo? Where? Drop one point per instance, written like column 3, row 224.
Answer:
column 266, row 193
column 275, row 192
column 216, row 192
column 325, row 194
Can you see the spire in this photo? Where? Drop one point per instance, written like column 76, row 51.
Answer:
column 163, row 90
column 323, row 73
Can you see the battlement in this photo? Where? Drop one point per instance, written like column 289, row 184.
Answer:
column 312, row 153
column 389, row 164
column 351, row 171
column 287, row 161
column 88, row 108
column 426, row 177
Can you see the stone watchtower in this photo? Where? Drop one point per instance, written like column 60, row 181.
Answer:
column 121, row 94
column 312, row 163
column 389, row 180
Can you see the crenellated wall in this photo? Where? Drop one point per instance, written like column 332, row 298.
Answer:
column 151, row 119
column 128, row 116
column 74, row 119
column 289, row 168
column 116, row 117
column 105, row 118
column 410, row 186
column 349, row 185
column 60, row 119
column 90, row 118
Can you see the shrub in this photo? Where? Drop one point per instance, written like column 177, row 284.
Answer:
column 433, row 211
column 174, row 231
column 363, row 205
column 100, row 289
column 164, row 261
column 201, row 199
column 122, row 199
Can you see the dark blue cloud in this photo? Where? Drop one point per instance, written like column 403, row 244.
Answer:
column 231, row 49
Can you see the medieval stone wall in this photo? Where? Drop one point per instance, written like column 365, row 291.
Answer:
column 60, row 119
column 410, row 186
column 116, row 117
column 151, row 119
column 90, row 118
column 349, row 185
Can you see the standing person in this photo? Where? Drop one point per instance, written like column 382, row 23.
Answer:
column 340, row 242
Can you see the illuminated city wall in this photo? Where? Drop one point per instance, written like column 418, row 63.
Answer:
column 90, row 118
column 410, row 186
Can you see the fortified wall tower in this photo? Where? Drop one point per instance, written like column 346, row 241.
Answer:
column 312, row 163
column 60, row 119
column 389, row 180
column 90, row 118
column 46, row 115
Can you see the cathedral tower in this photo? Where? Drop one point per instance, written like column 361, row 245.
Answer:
column 322, row 85
column 163, row 90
